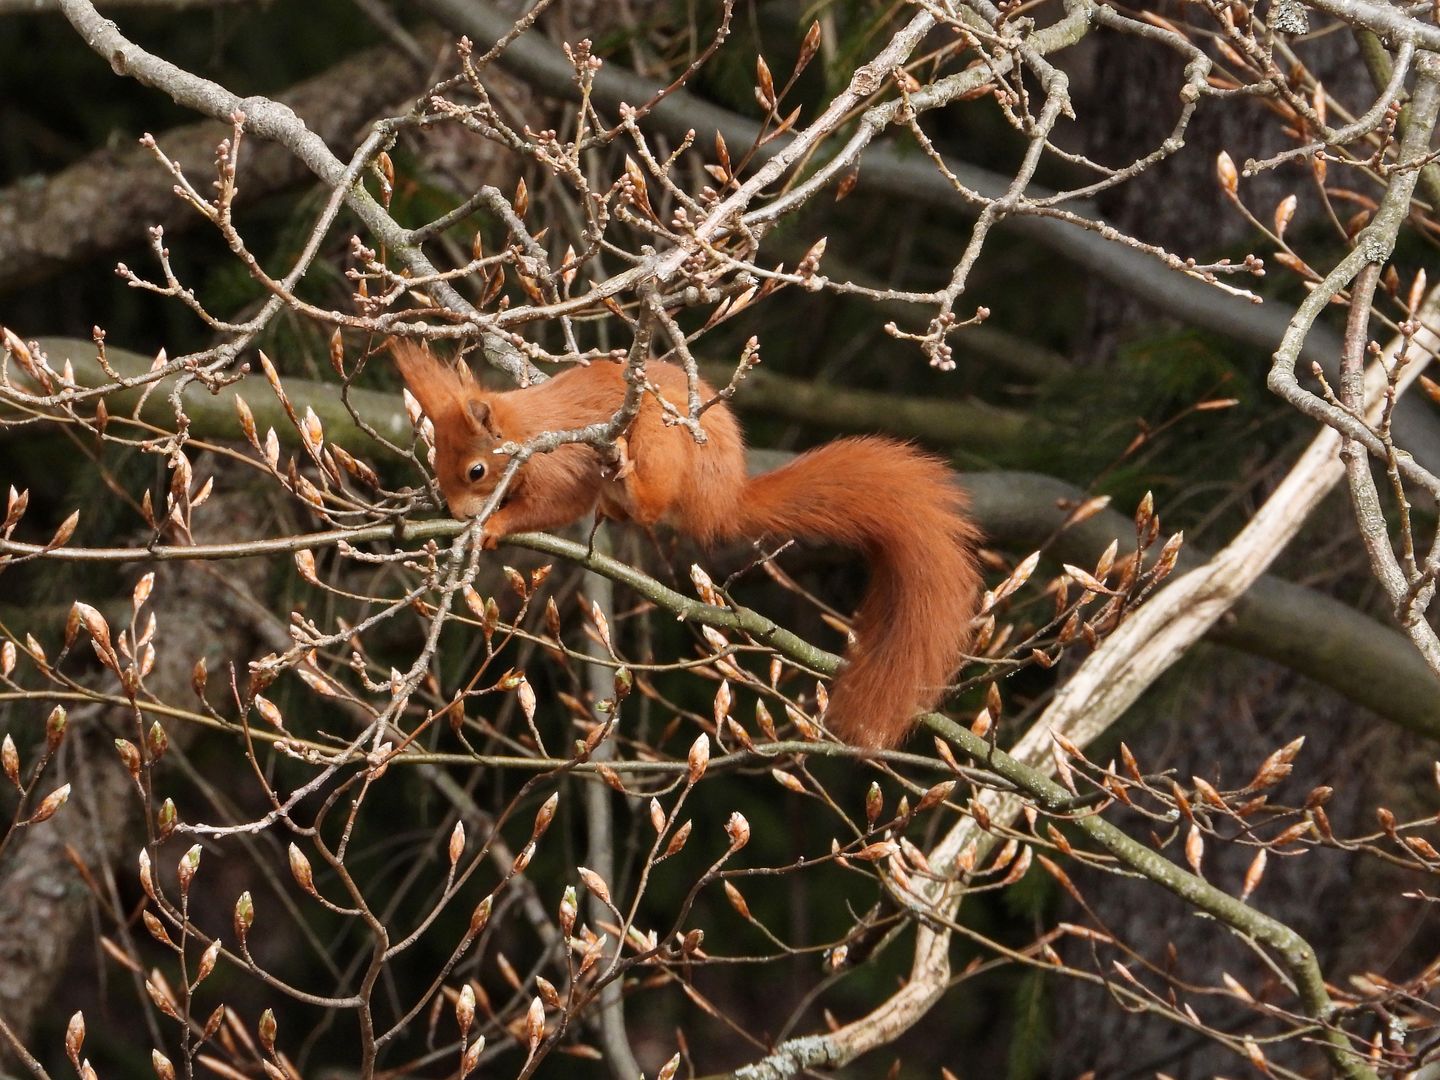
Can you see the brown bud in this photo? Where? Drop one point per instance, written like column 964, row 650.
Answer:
column 569, row 910
column 1416, row 295
column 764, row 721
column 465, row 1008
column 788, row 781
column 147, row 881
column 766, row 82
column 1227, row 174
column 207, row 961
column 156, row 928
column 874, row 803
column 156, row 741
column 472, row 1057
column 699, row 757
column 244, row 915
column 1293, row 833
column 75, row 1038
column 522, row 860
column 300, row 868
column 269, row 712
column 266, row 1029
column 50, row 804
column 1278, row 765
column 457, row 843
column 186, row 868
column 935, row 795
column 156, row 988
column 1284, row 213
column 548, row 993
column 738, row 829
column 737, row 901
column 595, row 883
column 720, row 709
column 808, row 47
column 677, row 841
column 480, row 916
column 10, row 759
column 64, row 532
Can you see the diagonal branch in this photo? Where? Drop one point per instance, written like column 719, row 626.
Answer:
column 278, row 122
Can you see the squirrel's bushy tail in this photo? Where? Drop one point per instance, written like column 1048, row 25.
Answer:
column 902, row 508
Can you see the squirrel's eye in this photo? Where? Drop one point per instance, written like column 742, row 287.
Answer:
column 477, row 472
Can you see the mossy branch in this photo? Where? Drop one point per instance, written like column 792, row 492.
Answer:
column 1300, row 628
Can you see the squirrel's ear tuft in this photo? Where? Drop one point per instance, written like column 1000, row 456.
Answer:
column 481, row 417
column 434, row 383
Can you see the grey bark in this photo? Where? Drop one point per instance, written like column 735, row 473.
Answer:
column 106, row 201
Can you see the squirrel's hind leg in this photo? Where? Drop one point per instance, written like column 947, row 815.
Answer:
column 649, row 485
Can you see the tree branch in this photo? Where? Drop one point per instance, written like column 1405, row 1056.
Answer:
column 1297, row 627
column 278, row 122
column 906, row 174
column 107, row 200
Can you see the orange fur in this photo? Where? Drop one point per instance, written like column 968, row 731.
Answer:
column 895, row 503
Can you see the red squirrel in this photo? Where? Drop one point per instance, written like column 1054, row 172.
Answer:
column 898, row 504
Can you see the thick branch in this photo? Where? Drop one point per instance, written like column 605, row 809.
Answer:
column 1300, row 628
column 278, row 122
column 1374, row 244
column 969, row 425
column 909, row 175
column 214, row 416
column 1317, row 636
column 106, row 200
column 929, row 977
column 41, row 7
column 1388, row 22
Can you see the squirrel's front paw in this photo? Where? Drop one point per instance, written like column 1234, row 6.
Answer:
column 621, row 465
